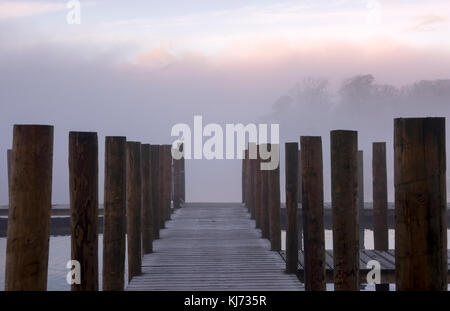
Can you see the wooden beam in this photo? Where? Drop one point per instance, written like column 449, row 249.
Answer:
column 147, row 204
column 114, row 220
column 265, row 226
column 344, row 187
column 30, row 206
column 156, row 193
column 380, row 203
column 312, row 207
column 291, row 150
column 361, row 197
column 420, row 204
column 134, row 201
column 83, row 176
column 274, row 204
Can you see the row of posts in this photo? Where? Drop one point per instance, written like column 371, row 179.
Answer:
column 141, row 180
column 420, row 205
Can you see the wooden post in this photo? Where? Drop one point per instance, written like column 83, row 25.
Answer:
column 312, row 207
column 420, row 204
column 361, row 197
column 29, row 210
column 83, row 177
column 177, row 181
column 380, row 202
column 251, row 181
column 344, row 187
column 291, row 207
column 147, row 212
column 183, row 181
column 165, row 165
column 300, row 194
column 265, row 226
column 300, row 200
column 114, row 223
column 9, row 159
column 155, row 171
column 134, row 192
column 176, row 184
column 162, row 186
column 168, row 179
column 258, row 185
column 274, row 204
column 243, row 176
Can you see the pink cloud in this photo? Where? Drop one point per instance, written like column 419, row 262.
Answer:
column 13, row 9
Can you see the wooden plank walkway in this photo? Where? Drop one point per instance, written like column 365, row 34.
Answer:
column 213, row 247
column 386, row 260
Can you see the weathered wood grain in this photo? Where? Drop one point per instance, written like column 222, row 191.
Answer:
column 134, row 205
column 291, row 150
column 147, row 204
column 420, row 204
column 83, row 184
column 29, row 212
column 313, row 221
column 212, row 247
column 114, row 223
column 156, row 194
column 344, row 186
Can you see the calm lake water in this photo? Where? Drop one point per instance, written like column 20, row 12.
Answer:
column 59, row 255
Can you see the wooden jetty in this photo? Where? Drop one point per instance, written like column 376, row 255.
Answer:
column 236, row 246
column 385, row 258
column 213, row 246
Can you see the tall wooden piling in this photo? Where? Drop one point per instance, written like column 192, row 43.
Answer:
column 147, row 211
column 420, row 204
column 265, row 226
column 244, row 162
column 380, row 201
column 291, row 207
column 344, row 187
column 274, row 204
column 245, row 178
column 114, row 220
column 83, row 184
column 134, row 201
column 162, row 195
column 300, row 200
column 251, row 181
column 257, row 196
column 29, row 210
column 300, row 194
column 312, row 207
column 361, row 197
column 166, row 180
column 169, row 180
column 9, row 161
column 183, row 181
column 156, row 194
column 177, row 181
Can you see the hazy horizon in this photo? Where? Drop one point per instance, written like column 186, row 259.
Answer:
column 137, row 68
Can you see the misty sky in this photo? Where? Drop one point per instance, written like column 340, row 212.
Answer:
column 136, row 68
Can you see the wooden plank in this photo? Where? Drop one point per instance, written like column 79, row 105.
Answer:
column 329, row 259
column 213, row 248
column 378, row 255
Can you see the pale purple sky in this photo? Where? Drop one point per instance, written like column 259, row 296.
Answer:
column 135, row 68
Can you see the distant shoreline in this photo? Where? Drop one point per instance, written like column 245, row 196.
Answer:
column 60, row 220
